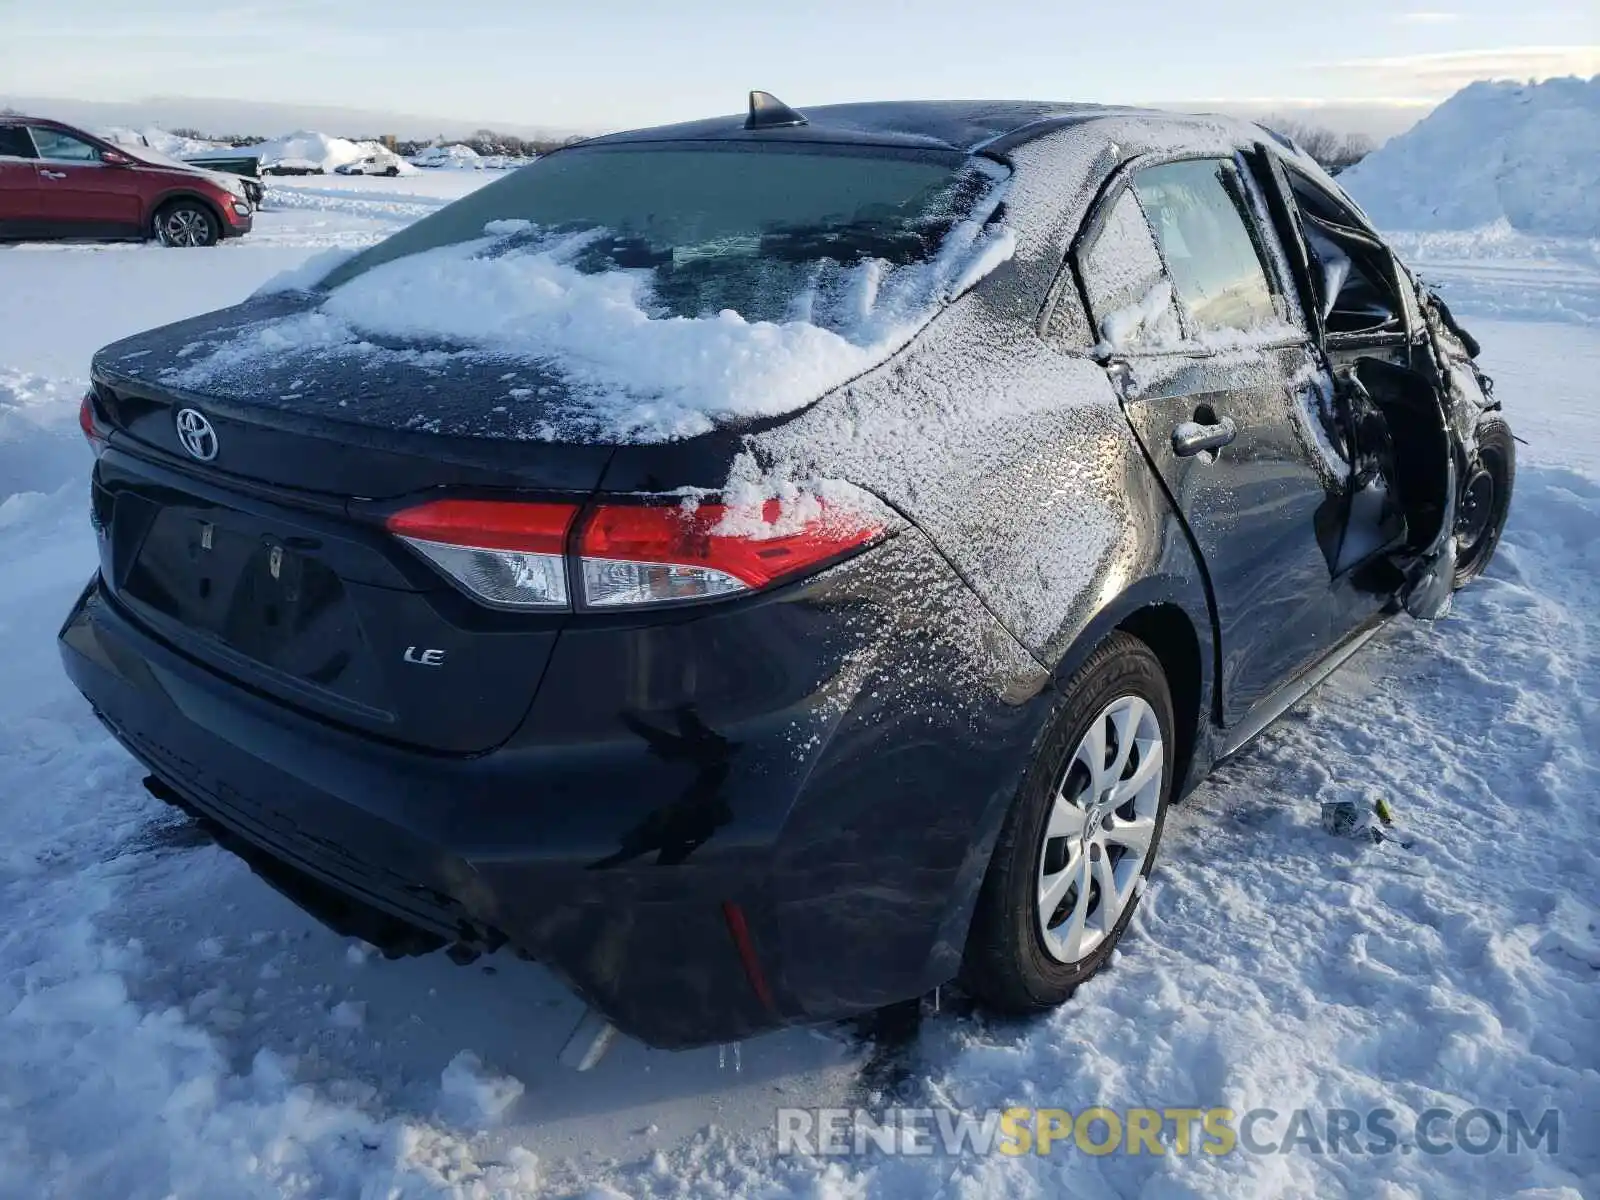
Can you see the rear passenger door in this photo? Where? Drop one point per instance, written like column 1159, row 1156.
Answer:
column 1219, row 381
column 19, row 186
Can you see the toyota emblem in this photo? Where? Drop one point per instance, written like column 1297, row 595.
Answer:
column 196, row 434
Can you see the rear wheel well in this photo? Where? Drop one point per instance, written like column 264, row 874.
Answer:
column 1169, row 633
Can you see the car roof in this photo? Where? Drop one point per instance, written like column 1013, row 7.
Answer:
column 965, row 126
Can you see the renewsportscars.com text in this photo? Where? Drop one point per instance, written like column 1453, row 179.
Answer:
column 843, row 1132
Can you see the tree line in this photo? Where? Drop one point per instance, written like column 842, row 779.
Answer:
column 1333, row 152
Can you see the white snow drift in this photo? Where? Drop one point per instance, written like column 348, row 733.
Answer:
column 313, row 149
column 1526, row 154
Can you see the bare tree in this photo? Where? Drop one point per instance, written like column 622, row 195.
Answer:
column 1333, row 151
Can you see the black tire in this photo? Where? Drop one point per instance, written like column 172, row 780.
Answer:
column 392, row 172
column 1486, row 500
column 186, row 223
column 1007, row 964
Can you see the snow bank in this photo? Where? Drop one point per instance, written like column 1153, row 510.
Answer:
column 452, row 158
column 1528, row 154
column 40, row 446
column 173, row 145
column 317, row 148
column 636, row 375
column 470, row 1093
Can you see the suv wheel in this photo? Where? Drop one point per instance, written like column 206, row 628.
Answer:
column 186, row 223
column 1485, row 500
column 1080, row 838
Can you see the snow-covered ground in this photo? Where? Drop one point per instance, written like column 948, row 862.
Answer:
column 171, row 1027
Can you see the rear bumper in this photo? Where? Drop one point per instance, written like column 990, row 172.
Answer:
column 849, row 824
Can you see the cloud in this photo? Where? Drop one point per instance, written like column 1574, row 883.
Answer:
column 1425, row 18
column 1440, row 75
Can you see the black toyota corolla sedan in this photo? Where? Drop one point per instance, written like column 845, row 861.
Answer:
column 768, row 567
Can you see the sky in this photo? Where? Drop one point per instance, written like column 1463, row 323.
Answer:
column 616, row 63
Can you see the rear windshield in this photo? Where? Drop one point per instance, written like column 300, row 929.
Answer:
column 771, row 232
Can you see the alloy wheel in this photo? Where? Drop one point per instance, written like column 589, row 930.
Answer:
column 1101, row 825
column 186, row 227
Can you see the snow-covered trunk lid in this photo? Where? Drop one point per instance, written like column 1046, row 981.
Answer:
column 344, row 425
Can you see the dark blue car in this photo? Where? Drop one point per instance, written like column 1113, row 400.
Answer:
column 769, row 567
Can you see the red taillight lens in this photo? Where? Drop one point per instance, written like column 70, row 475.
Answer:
column 512, row 554
column 643, row 554
column 507, row 554
column 95, row 435
column 489, row 524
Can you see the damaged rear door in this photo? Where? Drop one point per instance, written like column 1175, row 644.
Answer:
column 1385, row 416
column 1212, row 374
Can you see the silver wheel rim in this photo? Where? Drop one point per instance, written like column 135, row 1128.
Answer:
column 1101, row 826
column 186, row 227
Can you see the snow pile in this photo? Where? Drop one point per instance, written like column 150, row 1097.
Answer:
column 40, row 445
column 1149, row 321
column 636, row 374
column 470, row 1093
column 173, row 145
column 306, row 275
column 316, row 149
column 452, row 158
column 506, row 162
column 1528, row 154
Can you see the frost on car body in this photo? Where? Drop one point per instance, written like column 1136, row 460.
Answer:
column 696, row 596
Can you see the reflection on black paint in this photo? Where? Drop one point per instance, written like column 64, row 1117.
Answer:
column 678, row 829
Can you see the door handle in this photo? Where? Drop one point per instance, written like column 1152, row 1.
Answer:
column 1121, row 374
column 1191, row 437
column 53, row 174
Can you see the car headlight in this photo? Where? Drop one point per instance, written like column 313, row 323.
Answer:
column 242, row 207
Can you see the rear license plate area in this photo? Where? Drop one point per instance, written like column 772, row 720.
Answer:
column 265, row 596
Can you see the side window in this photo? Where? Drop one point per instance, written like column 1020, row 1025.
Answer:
column 63, row 147
column 15, row 143
column 1209, row 251
column 1130, row 295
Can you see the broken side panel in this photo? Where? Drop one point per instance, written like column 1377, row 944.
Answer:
column 1398, row 533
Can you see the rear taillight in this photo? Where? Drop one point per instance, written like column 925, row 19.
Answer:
column 90, row 424
column 510, row 555
column 625, row 555
column 648, row 554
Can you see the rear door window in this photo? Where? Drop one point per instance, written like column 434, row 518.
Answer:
column 1210, row 253
column 1130, row 294
column 15, row 143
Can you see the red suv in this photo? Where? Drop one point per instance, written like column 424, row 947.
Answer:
column 57, row 181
